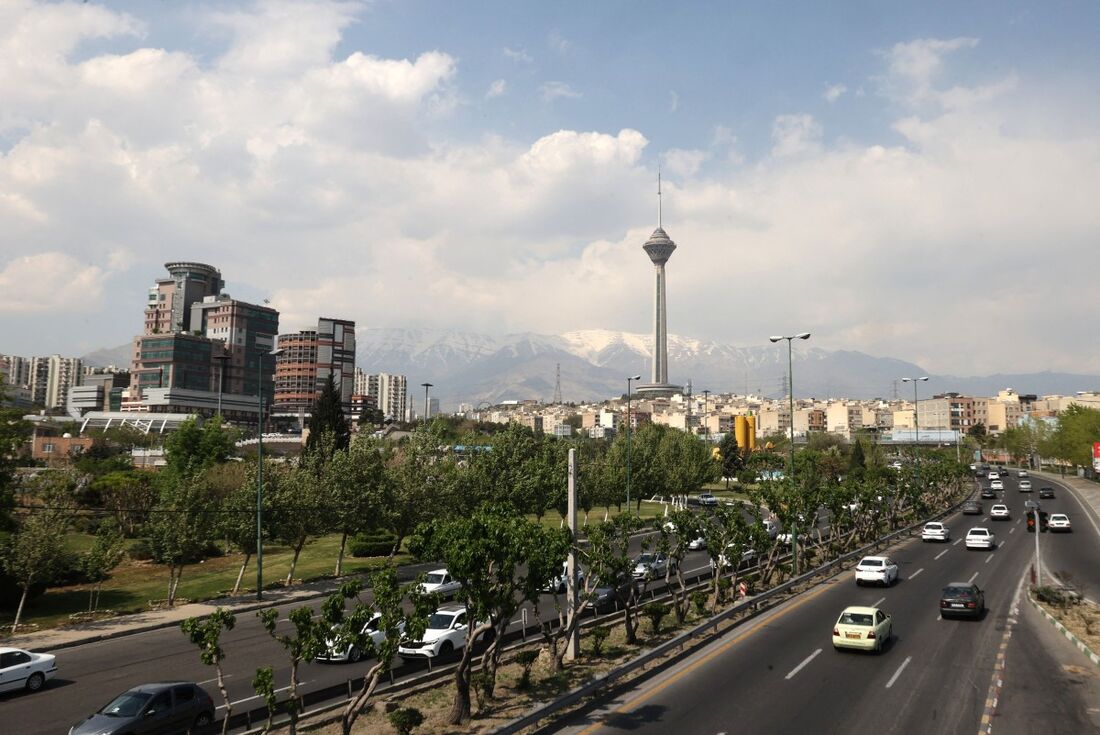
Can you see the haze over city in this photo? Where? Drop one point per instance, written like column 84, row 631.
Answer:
column 905, row 182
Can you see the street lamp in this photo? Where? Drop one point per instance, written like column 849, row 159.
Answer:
column 790, row 391
column 916, row 423
column 222, row 359
column 260, row 354
column 628, row 382
column 426, row 386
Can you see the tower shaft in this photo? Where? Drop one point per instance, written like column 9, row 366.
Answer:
column 660, row 329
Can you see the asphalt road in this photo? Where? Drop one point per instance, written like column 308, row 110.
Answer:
column 780, row 674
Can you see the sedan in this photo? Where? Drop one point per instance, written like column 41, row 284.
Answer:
column 876, row 570
column 972, row 508
column 999, row 512
column 935, row 531
column 988, row 492
column 174, row 706
column 441, row 583
column 997, row 485
column 352, row 653
column 963, row 599
column 1046, row 492
column 1059, row 522
column 708, row 500
column 21, row 669
column 980, row 538
column 650, row 566
column 697, row 543
column 865, row 628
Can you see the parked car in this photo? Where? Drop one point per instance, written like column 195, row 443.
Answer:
column 962, row 598
column 440, row 582
column 935, row 531
column 352, row 653
column 446, row 632
column 864, row 628
column 980, row 538
column 21, row 669
column 972, row 508
column 650, row 566
column 708, row 500
column 1046, row 492
column 607, row 596
column 1060, row 522
column 999, row 512
column 1024, row 486
column 165, row 707
column 876, row 570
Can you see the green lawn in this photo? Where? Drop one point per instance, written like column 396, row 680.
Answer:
column 134, row 584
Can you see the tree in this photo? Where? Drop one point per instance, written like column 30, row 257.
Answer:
column 35, row 552
column 857, row 461
column 237, row 522
column 106, row 552
column 192, row 448
column 182, row 525
column 129, row 495
column 306, row 644
column 609, row 564
column 206, row 634
column 684, row 463
column 728, row 537
column 14, row 433
column 354, row 487
column 420, row 481
column 1078, row 427
column 298, row 511
column 732, row 460
column 674, row 534
column 327, row 417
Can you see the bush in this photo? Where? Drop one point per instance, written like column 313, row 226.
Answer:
column 375, row 543
column 140, row 550
column 405, row 720
column 70, row 571
column 526, row 659
column 656, row 612
column 599, row 637
column 699, row 599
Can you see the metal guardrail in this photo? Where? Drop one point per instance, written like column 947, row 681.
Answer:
column 709, row 627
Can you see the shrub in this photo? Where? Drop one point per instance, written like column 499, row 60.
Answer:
column 140, row 550
column 599, row 637
column 375, row 543
column 526, row 659
column 69, row 571
column 656, row 612
column 405, row 720
column 699, row 599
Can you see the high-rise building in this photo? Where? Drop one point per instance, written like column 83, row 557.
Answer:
column 390, row 393
column 168, row 309
column 38, row 379
column 659, row 248
column 64, row 373
column 305, row 362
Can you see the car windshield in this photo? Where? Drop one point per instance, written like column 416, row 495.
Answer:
column 128, row 704
column 957, row 592
column 978, row 532
column 434, row 579
column 440, row 621
column 645, row 559
column 851, row 618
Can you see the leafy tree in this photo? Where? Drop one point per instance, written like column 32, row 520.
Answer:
column 182, row 525
column 297, row 499
column 732, row 460
column 306, row 644
column 129, row 495
column 857, row 461
column 327, row 417
column 1078, row 427
column 206, row 634
column 609, row 563
column 14, row 433
column 107, row 551
column 354, row 491
column 237, row 522
column 420, row 481
column 728, row 536
column 674, row 534
column 192, row 448
column 263, row 683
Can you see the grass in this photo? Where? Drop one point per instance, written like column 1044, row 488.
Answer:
column 649, row 510
column 133, row 585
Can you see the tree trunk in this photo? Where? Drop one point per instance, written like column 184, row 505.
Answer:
column 98, row 590
column 356, row 704
column 19, row 610
column 293, row 709
column 171, row 585
column 240, row 574
column 460, row 708
column 397, row 545
column 340, row 556
column 91, row 597
column 225, row 697
column 294, row 562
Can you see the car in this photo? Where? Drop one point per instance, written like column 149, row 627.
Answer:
column 997, row 485
column 863, row 628
column 771, row 527
column 1022, row 473
column 1044, row 521
column 168, row 707
column 980, row 538
column 708, row 500
column 1000, row 512
column 1024, row 486
column 1059, row 522
column 935, row 531
column 876, row 570
column 748, row 558
column 441, row 583
column 21, row 669
column 446, row 632
column 1031, row 505
column 606, row 597
column 352, row 653
column 973, row 467
column 972, row 508
column 962, row 599
column 697, row 543
column 1046, row 492
column 650, row 566
column 558, row 583
column 988, row 492
column 994, row 475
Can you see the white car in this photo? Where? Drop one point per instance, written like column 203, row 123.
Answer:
column 997, row 485
column 352, row 653
column 747, row 558
column 1025, row 486
column 994, row 475
column 446, row 632
column 21, row 669
column 771, row 526
column 1022, row 473
column 1059, row 522
column 708, row 500
column 876, row 570
column 865, row 628
column 558, row 583
column 980, row 538
column 440, row 582
column 935, row 531
column 999, row 512
column 697, row 543
column 650, row 566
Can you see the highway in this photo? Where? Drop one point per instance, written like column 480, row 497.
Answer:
column 780, row 674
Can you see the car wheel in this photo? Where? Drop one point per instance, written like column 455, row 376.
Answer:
column 35, row 681
column 446, row 648
column 354, row 655
column 203, row 721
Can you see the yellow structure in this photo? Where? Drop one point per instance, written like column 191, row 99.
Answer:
column 741, row 432
column 752, row 432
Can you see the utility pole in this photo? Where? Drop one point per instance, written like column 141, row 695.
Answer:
column 573, row 645
column 1038, row 559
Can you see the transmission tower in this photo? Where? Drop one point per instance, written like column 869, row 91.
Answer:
column 557, row 385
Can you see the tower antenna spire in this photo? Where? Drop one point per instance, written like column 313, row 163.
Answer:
column 659, row 196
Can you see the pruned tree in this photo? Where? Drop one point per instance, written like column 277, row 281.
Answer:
column 609, row 564
column 305, row 645
column 354, row 487
column 729, row 536
column 107, row 551
column 206, row 634
column 674, row 533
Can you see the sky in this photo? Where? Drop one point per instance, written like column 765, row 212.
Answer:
column 919, row 181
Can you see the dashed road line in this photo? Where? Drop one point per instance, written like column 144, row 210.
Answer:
column 807, row 660
column 1012, row 529
column 989, row 559
column 973, row 577
column 956, row 542
column 997, row 681
column 914, row 574
column 898, row 672
column 942, row 553
column 879, row 601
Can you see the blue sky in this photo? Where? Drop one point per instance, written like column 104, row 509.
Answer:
column 888, row 175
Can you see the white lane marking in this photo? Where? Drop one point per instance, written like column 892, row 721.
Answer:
column 1017, row 523
column 956, row 542
column 1012, row 529
column 943, row 552
column 898, row 672
column 914, row 574
column 211, row 681
column 878, row 602
column 257, row 696
column 939, row 617
column 973, row 576
column 807, row 660
column 989, row 559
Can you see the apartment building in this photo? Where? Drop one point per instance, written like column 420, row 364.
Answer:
column 306, row 361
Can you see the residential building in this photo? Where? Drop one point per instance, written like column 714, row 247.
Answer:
column 168, row 308
column 64, row 373
column 391, row 394
column 39, row 379
column 308, row 359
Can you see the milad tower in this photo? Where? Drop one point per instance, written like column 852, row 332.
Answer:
column 659, row 248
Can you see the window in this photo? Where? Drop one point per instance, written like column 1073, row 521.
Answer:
column 183, row 694
column 48, row 448
column 161, row 703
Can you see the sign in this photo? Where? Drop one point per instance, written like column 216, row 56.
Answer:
column 1096, row 456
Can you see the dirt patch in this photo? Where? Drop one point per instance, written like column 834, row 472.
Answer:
column 1080, row 618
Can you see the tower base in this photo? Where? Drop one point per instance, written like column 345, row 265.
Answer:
column 659, row 390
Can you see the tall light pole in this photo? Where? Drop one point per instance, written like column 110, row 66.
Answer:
column 222, row 359
column 916, row 423
column 706, row 426
column 260, row 468
column 426, row 386
column 628, row 382
column 790, row 391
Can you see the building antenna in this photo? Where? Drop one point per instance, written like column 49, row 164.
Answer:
column 659, row 196
column 557, row 386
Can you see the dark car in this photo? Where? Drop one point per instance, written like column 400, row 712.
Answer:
column 165, row 707
column 608, row 598
column 972, row 508
column 988, row 492
column 1043, row 518
column 962, row 599
column 1046, row 492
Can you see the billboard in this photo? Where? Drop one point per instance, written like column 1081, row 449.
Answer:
column 1096, row 456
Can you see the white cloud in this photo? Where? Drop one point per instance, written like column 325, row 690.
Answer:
column 913, row 67
column 684, row 163
column 833, row 92
column 496, row 89
column 673, row 101
column 519, row 55
column 48, row 282
column 558, row 43
column 551, row 91
column 795, row 135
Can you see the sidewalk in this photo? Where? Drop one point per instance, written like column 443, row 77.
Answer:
column 101, row 630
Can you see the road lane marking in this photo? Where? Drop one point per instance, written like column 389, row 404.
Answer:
column 956, row 542
column 879, row 601
column 943, row 552
column 805, row 661
column 210, row 681
column 989, row 559
column 939, row 617
column 898, row 672
column 973, row 576
column 914, row 574
column 1012, row 529
column 257, row 696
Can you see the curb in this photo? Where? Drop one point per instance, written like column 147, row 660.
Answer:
column 1064, row 631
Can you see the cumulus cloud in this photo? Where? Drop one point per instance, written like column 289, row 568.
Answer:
column 551, row 91
column 517, row 54
column 833, row 92
column 48, row 282
column 684, row 163
column 496, row 89
column 795, row 135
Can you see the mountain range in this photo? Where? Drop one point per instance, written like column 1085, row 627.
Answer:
column 467, row 367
